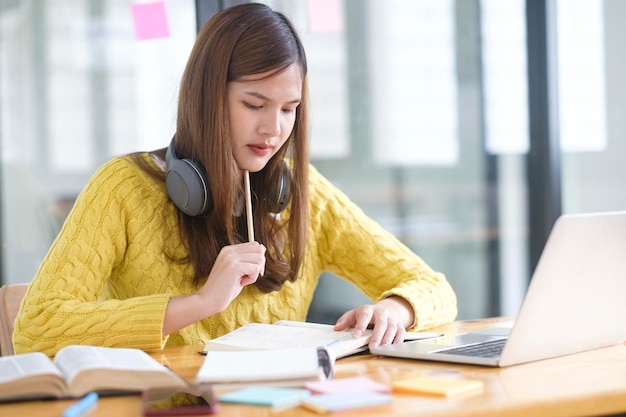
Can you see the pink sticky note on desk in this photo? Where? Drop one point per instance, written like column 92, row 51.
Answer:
column 150, row 20
column 336, row 385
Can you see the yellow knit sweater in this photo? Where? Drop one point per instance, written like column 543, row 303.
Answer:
column 106, row 281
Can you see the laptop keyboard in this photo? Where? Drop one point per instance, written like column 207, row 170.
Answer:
column 490, row 349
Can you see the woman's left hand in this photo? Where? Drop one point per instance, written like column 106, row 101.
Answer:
column 389, row 318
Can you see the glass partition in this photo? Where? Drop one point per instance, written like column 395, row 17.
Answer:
column 419, row 115
column 78, row 86
column 410, row 118
column 592, row 102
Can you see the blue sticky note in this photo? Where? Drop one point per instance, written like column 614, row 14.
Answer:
column 271, row 396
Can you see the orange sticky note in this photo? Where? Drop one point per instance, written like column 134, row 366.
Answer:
column 150, row 20
column 438, row 386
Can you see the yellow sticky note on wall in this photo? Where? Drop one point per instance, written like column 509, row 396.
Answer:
column 439, row 386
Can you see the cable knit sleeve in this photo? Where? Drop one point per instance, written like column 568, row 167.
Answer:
column 358, row 249
column 65, row 303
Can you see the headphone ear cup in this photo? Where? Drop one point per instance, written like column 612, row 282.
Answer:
column 280, row 193
column 186, row 184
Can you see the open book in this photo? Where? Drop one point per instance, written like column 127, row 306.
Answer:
column 286, row 334
column 77, row 370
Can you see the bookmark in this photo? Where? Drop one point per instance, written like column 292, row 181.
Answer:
column 246, row 181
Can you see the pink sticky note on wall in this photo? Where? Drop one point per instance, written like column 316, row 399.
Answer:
column 150, row 20
column 324, row 16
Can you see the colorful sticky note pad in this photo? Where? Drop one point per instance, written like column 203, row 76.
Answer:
column 270, row 396
column 150, row 20
column 357, row 383
column 339, row 401
column 440, row 386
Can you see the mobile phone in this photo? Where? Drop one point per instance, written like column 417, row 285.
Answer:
column 166, row 402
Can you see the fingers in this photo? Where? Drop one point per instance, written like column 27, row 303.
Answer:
column 387, row 326
column 246, row 261
column 358, row 318
column 363, row 319
column 387, row 332
column 235, row 267
column 346, row 320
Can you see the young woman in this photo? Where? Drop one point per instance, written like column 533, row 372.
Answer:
column 156, row 250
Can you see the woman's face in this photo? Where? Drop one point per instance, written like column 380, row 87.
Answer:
column 262, row 113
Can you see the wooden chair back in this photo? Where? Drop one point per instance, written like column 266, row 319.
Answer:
column 11, row 296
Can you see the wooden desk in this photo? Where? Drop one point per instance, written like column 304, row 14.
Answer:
column 590, row 383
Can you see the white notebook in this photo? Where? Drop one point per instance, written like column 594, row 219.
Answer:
column 287, row 334
column 286, row 367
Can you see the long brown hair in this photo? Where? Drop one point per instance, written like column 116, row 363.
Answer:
column 242, row 40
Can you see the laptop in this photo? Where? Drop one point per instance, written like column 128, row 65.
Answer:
column 574, row 303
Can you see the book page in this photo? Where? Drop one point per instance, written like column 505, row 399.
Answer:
column 109, row 368
column 73, row 359
column 285, row 335
column 306, row 324
column 29, row 375
column 19, row 366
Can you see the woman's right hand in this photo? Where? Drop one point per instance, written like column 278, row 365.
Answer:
column 235, row 267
